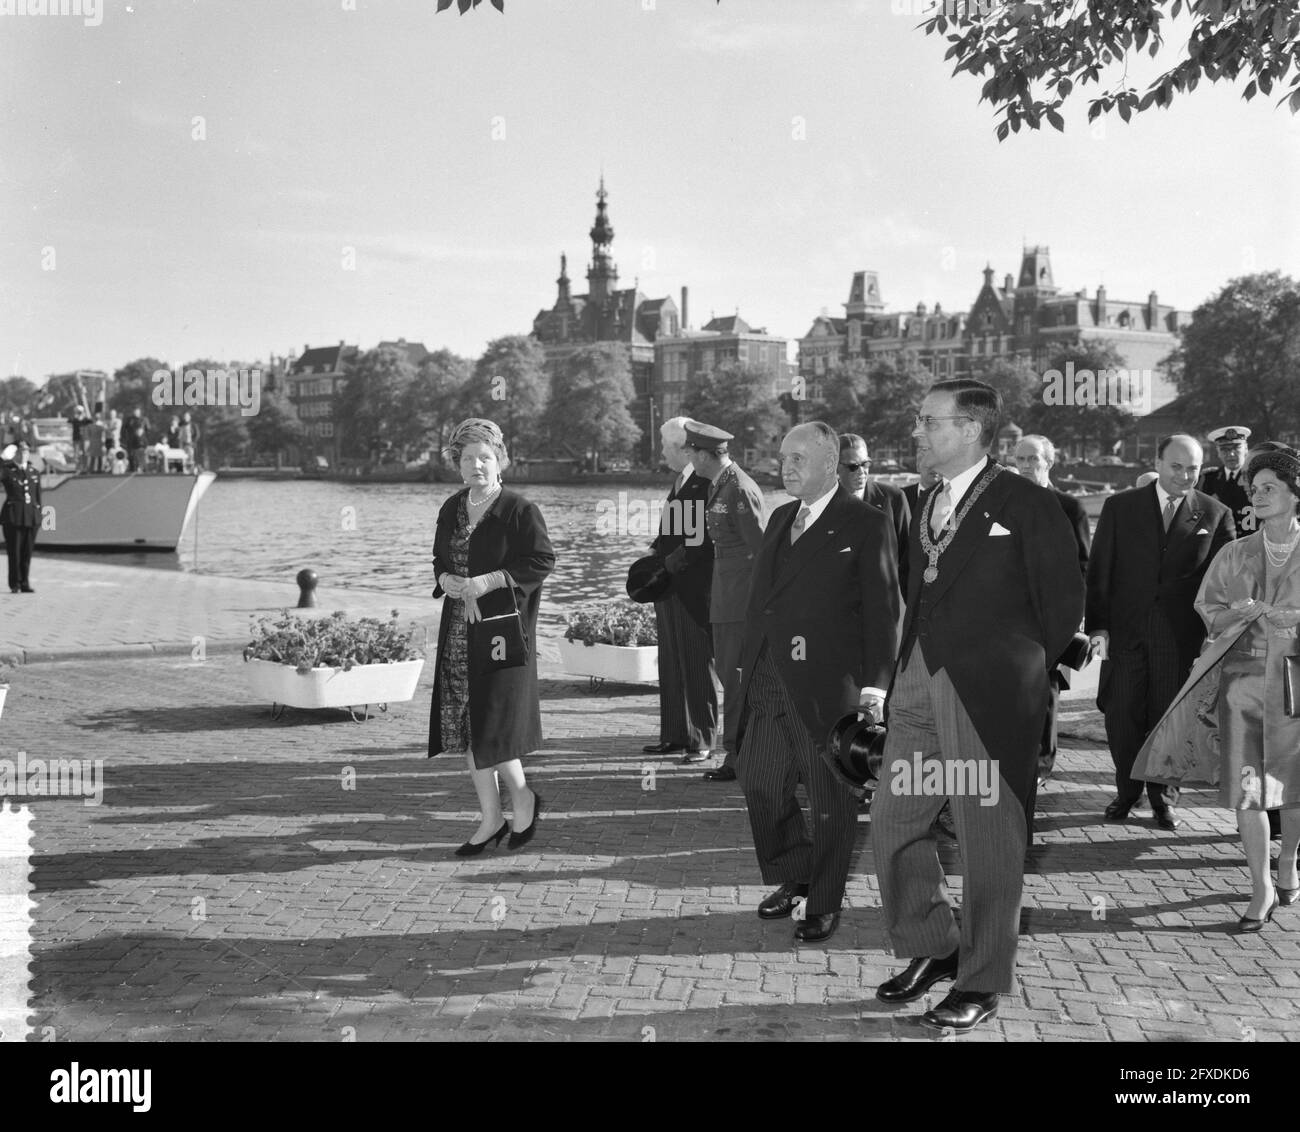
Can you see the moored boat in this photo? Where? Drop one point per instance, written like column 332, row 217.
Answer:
column 110, row 513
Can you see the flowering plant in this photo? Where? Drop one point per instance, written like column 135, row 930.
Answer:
column 332, row 642
column 621, row 623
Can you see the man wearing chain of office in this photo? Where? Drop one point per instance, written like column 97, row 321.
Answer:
column 994, row 595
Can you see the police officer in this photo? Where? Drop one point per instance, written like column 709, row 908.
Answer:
column 736, row 514
column 20, row 514
column 1228, row 483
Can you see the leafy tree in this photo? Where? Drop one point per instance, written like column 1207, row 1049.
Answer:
column 17, row 395
column 1240, row 357
column 1082, row 423
column 843, row 397
column 510, row 387
column 1020, row 385
column 223, row 435
column 1036, row 54
column 591, row 390
column 895, row 389
column 133, row 384
column 433, row 402
column 275, row 426
column 736, row 398
column 370, row 408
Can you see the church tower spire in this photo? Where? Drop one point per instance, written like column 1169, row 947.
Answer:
column 602, row 275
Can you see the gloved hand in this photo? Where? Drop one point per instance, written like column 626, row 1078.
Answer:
column 472, row 613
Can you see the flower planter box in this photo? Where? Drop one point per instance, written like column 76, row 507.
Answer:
column 619, row 663
column 364, row 684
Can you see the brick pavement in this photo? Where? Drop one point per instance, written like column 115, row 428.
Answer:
column 232, row 886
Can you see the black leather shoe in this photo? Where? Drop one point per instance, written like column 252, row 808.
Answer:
column 817, row 929
column 28, row 590
column 1166, row 818
column 694, row 755
column 721, row 774
column 519, row 840
column 1247, row 924
column 664, row 748
column 780, row 903
column 1118, row 810
column 962, row 1010
column 13, row 589
column 918, row 977
column 474, row 848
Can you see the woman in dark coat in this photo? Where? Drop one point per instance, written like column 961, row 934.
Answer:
column 488, row 542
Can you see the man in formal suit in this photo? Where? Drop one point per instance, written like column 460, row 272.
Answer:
column 855, row 462
column 820, row 640
column 914, row 493
column 1035, row 456
column 736, row 513
column 688, row 687
column 995, row 595
column 1152, row 549
column 20, row 514
column 1227, row 483
column 135, row 437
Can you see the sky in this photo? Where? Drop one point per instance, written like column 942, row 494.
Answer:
column 231, row 180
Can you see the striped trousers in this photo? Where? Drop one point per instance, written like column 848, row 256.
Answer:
column 1139, row 683
column 927, row 717
column 776, row 754
column 688, row 686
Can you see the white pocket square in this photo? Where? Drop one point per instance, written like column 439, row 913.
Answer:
column 1202, row 531
column 998, row 529
column 846, row 550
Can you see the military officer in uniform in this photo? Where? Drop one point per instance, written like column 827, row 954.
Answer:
column 737, row 515
column 1228, row 483
column 20, row 514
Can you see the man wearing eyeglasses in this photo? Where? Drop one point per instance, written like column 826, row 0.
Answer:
column 995, row 594
column 855, row 463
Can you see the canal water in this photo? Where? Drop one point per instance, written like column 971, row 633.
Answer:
column 380, row 536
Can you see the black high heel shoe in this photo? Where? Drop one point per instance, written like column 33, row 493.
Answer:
column 1247, row 924
column 474, row 848
column 519, row 840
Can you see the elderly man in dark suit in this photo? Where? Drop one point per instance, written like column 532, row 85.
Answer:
column 20, row 514
column 1152, row 549
column 1227, row 483
column 995, row 596
column 855, row 462
column 688, row 684
column 820, row 642
column 1035, row 456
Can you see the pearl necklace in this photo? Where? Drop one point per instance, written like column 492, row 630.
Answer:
column 1279, row 552
column 492, row 492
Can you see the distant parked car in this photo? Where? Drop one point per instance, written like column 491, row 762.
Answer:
column 887, row 467
column 768, row 466
column 1108, row 462
column 618, row 465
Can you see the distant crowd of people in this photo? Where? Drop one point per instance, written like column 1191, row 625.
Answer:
column 114, row 445
column 951, row 612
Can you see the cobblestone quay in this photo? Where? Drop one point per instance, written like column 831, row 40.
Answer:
column 249, row 879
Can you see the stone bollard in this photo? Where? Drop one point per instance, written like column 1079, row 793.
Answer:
column 307, row 589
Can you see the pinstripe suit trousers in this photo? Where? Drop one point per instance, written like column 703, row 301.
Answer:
column 688, row 687
column 776, row 754
column 926, row 716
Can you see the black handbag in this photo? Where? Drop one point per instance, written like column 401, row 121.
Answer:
column 1291, row 686
column 500, row 641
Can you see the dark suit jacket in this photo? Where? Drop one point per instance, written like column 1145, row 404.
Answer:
column 1002, row 610
column 685, row 513
column 1136, row 568
column 1232, row 494
column 893, row 503
column 1079, row 521
column 15, row 511
column 504, row 715
column 829, row 615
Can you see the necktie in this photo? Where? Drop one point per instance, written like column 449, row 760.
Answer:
column 1170, row 508
column 799, row 521
column 942, row 509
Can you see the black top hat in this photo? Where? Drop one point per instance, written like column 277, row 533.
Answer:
column 856, row 748
column 648, row 580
